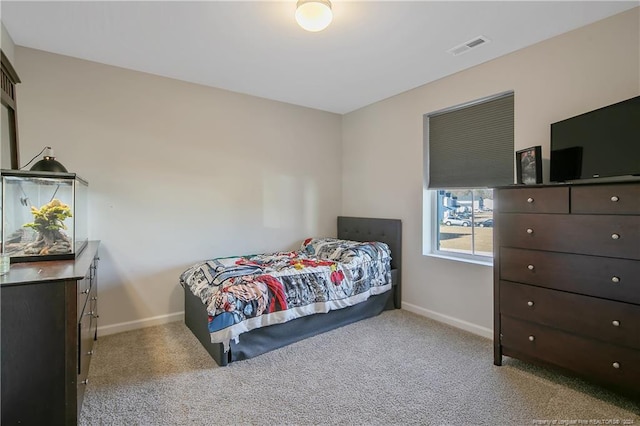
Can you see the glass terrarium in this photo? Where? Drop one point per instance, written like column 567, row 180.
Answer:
column 44, row 215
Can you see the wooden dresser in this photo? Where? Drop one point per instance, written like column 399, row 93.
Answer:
column 49, row 321
column 567, row 279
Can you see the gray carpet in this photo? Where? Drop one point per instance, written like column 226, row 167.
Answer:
column 397, row 368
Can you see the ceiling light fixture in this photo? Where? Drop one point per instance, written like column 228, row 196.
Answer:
column 314, row 15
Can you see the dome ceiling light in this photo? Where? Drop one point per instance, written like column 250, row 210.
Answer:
column 314, row 15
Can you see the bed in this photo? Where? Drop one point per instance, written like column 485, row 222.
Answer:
column 238, row 340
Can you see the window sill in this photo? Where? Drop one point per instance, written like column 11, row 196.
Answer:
column 488, row 262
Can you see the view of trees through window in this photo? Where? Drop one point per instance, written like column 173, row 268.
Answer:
column 465, row 221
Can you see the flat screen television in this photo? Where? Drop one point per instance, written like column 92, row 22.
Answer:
column 603, row 143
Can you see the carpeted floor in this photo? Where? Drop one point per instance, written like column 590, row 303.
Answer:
column 397, row 368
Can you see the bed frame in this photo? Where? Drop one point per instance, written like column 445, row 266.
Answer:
column 262, row 340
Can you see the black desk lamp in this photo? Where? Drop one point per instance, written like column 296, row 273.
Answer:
column 48, row 163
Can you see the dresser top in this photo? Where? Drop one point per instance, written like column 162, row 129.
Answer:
column 583, row 182
column 51, row 270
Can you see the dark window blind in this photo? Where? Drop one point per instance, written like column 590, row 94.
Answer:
column 470, row 146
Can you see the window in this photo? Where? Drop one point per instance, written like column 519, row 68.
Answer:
column 468, row 150
column 464, row 222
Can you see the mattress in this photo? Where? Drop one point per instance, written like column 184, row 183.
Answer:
column 242, row 293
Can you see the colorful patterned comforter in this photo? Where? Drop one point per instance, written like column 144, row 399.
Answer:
column 248, row 292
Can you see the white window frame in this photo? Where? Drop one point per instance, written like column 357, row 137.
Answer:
column 433, row 224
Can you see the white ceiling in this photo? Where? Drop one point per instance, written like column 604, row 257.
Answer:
column 372, row 50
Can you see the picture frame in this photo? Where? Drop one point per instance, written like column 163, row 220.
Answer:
column 529, row 165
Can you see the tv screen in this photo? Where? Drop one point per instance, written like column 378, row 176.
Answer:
column 601, row 143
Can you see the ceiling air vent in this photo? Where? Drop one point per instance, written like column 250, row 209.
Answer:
column 467, row 46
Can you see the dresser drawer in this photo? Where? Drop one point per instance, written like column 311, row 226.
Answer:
column 606, row 199
column 604, row 362
column 85, row 343
column 533, row 200
column 604, row 320
column 85, row 352
column 598, row 235
column 615, row 279
column 86, row 334
column 83, row 288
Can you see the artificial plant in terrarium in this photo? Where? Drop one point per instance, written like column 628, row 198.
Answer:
column 48, row 222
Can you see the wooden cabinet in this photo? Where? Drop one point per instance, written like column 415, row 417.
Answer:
column 567, row 279
column 49, row 322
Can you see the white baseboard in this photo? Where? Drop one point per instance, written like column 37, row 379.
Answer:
column 133, row 325
column 179, row 316
column 455, row 322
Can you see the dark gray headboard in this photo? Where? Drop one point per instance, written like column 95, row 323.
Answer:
column 388, row 231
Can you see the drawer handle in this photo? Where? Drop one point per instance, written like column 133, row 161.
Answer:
column 615, row 323
column 85, row 291
column 615, row 279
column 614, row 199
column 531, row 267
column 89, row 314
column 616, row 365
column 615, row 236
column 532, row 338
column 530, row 303
column 85, row 382
column 530, row 231
column 94, row 298
column 90, row 353
column 530, row 200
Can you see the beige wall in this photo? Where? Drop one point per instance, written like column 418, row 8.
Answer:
column 7, row 44
column 383, row 153
column 177, row 173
